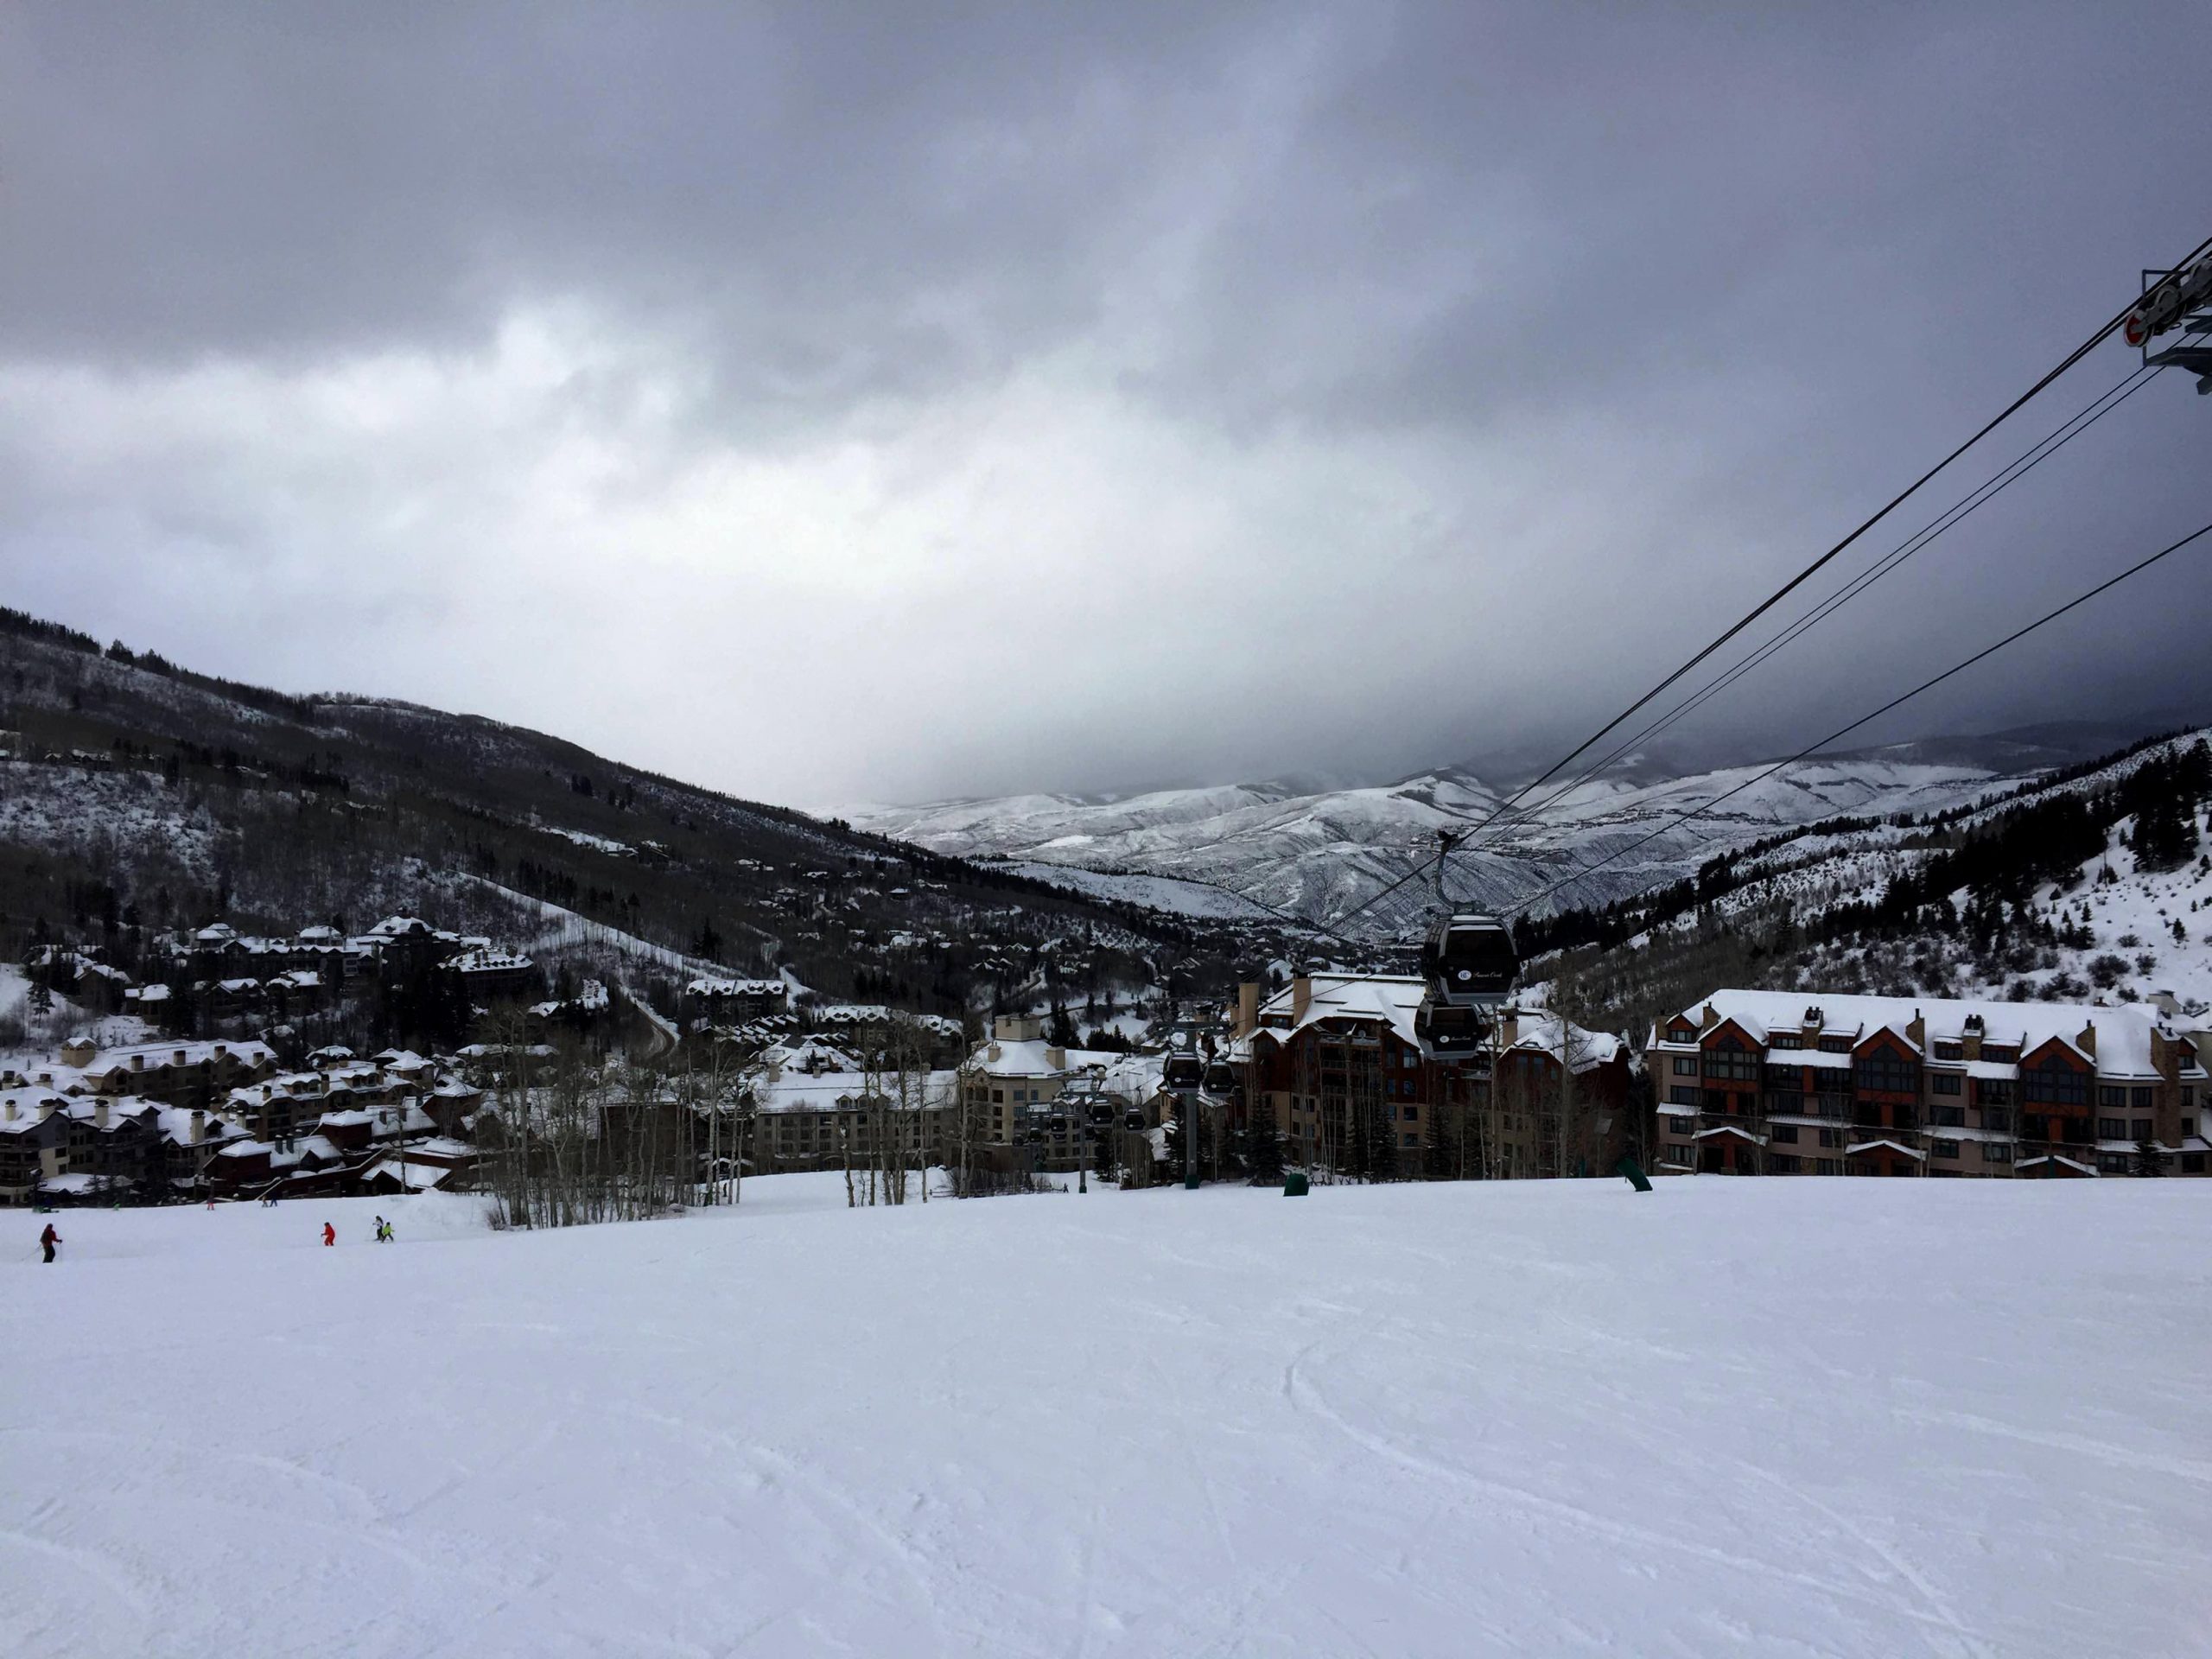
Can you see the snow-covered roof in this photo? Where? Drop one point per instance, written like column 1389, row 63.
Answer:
column 708, row 985
column 484, row 959
column 1034, row 1058
column 1538, row 1032
column 828, row 1091
column 414, row 1177
column 1391, row 998
column 2123, row 1033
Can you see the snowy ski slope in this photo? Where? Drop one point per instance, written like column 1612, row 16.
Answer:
column 1839, row 1418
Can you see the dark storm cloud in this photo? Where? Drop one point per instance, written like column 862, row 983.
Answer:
column 1042, row 399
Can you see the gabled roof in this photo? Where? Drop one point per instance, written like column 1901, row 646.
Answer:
column 1387, row 999
column 2123, row 1033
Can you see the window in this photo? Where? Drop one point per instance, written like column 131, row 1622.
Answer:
column 1786, row 1079
column 1831, row 1138
column 1947, row 1117
column 1946, row 1083
column 2053, row 1081
column 1887, row 1072
column 1944, row 1148
column 1786, row 1134
column 1413, row 1114
column 1784, row 1163
column 1785, row 1039
column 2192, row 1163
column 1996, row 1152
column 2112, row 1129
column 1835, row 1045
column 1682, row 1094
column 1993, row 1091
column 2001, row 1056
column 1826, row 1167
column 1950, row 1051
column 1681, row 1034
column 1996, row 1117
column 998, row 1097
column 2142, row 1129
column 2113, row 1163
column 1684, row 1126
column 1686, row 1065
column 2112, row 1095
column 1729, row 1058
column 2140, row 1099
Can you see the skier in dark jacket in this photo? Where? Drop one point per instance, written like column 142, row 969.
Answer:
column 47, row 1240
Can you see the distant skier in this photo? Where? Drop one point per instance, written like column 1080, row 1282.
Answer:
column 384, row 1230
column 329, row 1235
column 47, row 1240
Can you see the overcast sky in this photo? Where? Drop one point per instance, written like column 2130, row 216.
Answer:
column 832, row 404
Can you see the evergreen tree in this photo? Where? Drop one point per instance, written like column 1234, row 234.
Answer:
column 2150, row 1157
column 1264, row 1148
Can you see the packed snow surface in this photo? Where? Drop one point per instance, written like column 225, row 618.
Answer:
column 1726, row 1417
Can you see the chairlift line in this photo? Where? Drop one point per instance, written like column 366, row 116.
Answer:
column 2041, row 450
column 1841, row 732
column 2194, row 262
column 2163, row 307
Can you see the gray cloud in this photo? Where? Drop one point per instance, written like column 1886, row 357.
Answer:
column 830, row 406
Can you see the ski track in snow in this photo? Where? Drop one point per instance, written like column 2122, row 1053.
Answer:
column 1554, row 1418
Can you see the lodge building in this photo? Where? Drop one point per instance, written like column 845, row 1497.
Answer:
column 1784, row 1082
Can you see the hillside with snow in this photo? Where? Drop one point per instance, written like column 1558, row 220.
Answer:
column 1322, row 855
column 138, row 798
column 1982, row 903
column 1554, row 1417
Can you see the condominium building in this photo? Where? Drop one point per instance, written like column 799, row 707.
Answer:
column 1784, row 1083
column 1335, row 1057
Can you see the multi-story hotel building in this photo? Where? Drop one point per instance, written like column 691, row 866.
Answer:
column 1784, row 1083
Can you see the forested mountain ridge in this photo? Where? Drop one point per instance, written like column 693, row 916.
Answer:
column 140, row 796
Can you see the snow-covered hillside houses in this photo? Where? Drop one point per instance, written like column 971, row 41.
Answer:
column 154, row 1122
column 1782, row 1083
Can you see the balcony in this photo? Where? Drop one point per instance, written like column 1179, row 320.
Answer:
column 1782, row 1104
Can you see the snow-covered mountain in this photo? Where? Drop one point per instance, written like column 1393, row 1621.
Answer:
column 1324, row 854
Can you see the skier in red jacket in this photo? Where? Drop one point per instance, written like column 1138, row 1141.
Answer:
column 329, row 1235
column 47, row 1240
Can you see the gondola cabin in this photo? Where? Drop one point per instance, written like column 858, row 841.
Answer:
column 1469, row 961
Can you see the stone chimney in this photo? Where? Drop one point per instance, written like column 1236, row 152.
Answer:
column 1247, row 1008
column 1509, row 1026
column 1056, row 1059
column 1916, row 1028
column 1301, row 997
column 1708, row 1020
column 2087, row 1042
column 99, row 1115
column 11, row 1112
column 199, row 1125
